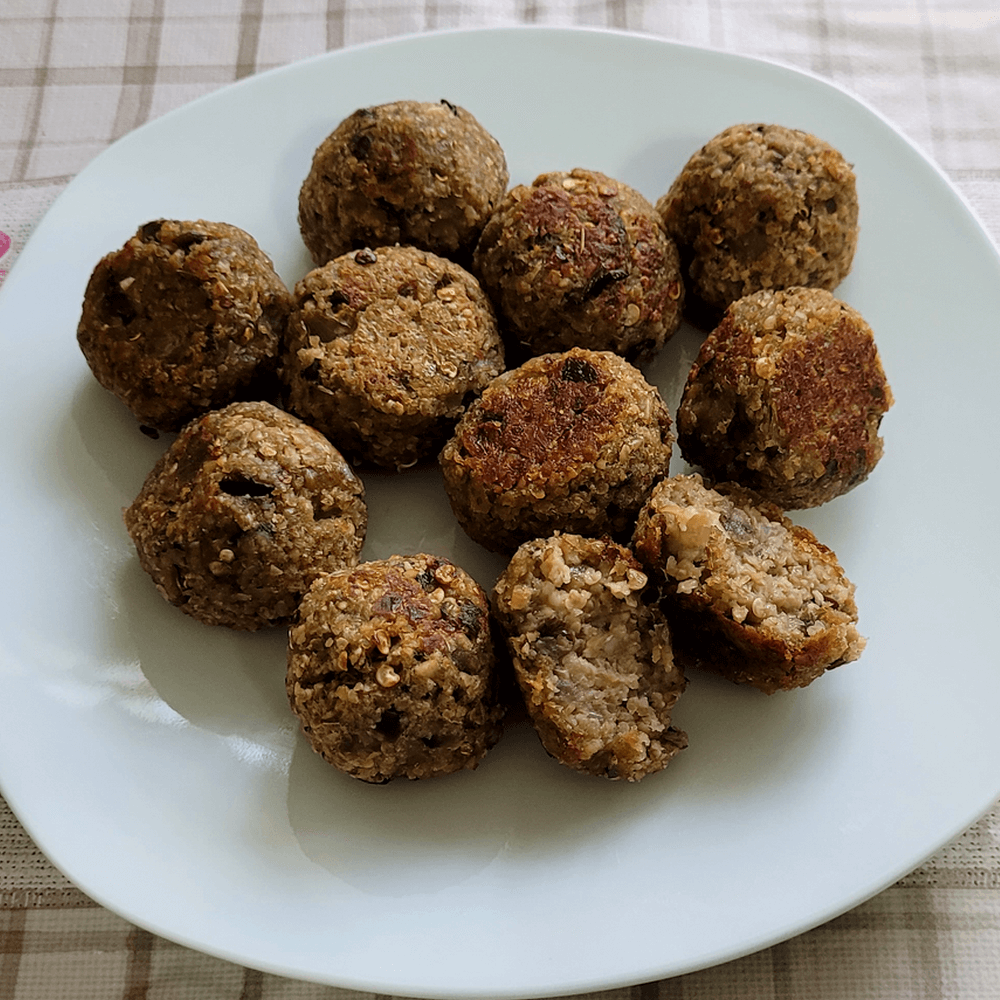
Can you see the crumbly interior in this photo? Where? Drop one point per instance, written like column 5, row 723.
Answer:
column 752, row 578
column 593, row 658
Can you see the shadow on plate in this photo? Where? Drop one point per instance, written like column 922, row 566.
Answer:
column 103, row 454
column 221, row 680
column 417, row 837
column 521, row 812
column 744, row 743
column 413, row 837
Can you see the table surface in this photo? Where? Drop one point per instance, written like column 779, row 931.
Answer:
column 75, row 75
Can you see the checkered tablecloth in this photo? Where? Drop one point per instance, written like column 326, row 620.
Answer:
column 75, row 75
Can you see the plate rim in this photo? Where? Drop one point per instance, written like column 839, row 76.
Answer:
column 417, row 38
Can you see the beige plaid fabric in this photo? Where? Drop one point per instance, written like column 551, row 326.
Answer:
column 933, row 936
column 77, row 74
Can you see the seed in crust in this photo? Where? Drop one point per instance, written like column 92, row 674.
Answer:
column 786, row 397
column 761, row 207
column 567, row 442
column 384, row 349
column 392, row 670
column 578, row 259
column 184, row 319
column 411, row 172
column 242, row 512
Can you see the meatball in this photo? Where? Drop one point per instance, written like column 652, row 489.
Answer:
column 567, row 442
column 786, row 397
column 580, row 260
column 747, row 593
column 243, row 511
column 761, row 207
column 409, row 172
column 384, row 349
column 591, row 655
column 392, row 670
column 184, row 319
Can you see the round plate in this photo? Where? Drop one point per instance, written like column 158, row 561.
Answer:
column 155, row 760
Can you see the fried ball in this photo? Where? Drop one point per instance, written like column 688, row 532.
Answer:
column 567, row 442
column 243, row 511
column 578, row 259
column 392, row 670
column 747, row 593
column 409, row 172
column 786, row 397
column 592, row 656
column 761, row 207
column 185, row 318
column 384, row 349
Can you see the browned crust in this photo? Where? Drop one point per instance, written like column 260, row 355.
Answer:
column 705, row 641
column 580, row 259
column 541, row 450
column 551, row 427
column 786, row 396
column 411, row 172
column 392, row 671
column 184, row 318
column 385, row 347
column 242, row 512
column 762, row 206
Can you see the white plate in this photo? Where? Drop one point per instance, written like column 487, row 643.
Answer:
column 155, row 761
